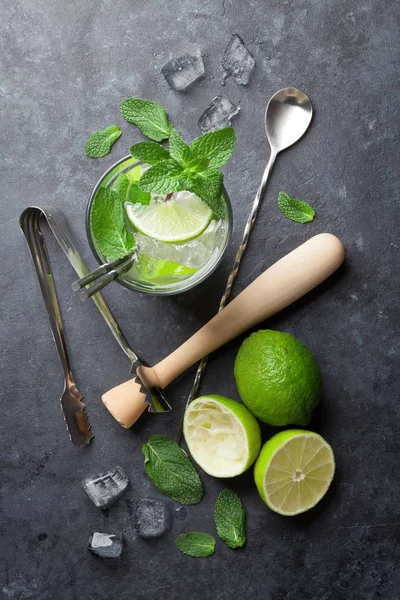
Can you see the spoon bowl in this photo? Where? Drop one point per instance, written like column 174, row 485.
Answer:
column 287, row 117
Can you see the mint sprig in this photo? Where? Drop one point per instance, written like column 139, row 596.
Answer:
column 179, row 150
column 208, row 186
column 197, row 544
column 151, row 118
column 149, row 152
column 295, row 210
column 193, row 168
column 230, row 519
column 216, row 146
column 108, row 225
column 171, row 470
column 100, row 143
column 164, row 177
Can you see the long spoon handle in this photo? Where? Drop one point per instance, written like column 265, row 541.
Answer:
column 232, row 276
column 247, row 230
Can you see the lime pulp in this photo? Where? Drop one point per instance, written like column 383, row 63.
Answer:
column 179, row 219
column 294, row 471
column 222, row 436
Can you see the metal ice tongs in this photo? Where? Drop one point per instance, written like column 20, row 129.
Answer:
column 71, row 400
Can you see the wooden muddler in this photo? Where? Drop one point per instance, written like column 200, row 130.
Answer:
column 286, row 281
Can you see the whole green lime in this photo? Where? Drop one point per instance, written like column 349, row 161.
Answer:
column 278, row 379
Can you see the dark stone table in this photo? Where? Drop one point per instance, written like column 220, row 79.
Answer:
column 65, row 68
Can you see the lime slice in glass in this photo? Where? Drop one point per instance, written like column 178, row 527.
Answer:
column 179, row 219
column 222, row 435
column 153, row 270
column 294, row 471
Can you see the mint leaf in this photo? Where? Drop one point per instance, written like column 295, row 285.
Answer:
column 212, row 181
column 179, row 150
column 208, row 186
column 151, row 118
column 217, row 146
column 100, row 143
column 230, row 519
column 183, row 155
column 108, row 225
column 295, row 210
column 171, row 470
column 149, row 152
column 163, row 178
column 138, row 195
column 122, row 185
column 130, row 191
column 197, row 165
column 196, row 544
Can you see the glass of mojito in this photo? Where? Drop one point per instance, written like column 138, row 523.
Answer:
column 178, row 240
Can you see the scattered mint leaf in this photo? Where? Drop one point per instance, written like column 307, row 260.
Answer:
column 100, row 143
column 151, row 118
column 230, row 519
column 171, row 470
column 130, row 191
column 295, row 210
column 199, row 545
column 108, row 225
column 149, row 152
column 162, row 178
column 217, row 146
column 179, row 150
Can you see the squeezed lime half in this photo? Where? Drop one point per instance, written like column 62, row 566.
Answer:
column 223, row 437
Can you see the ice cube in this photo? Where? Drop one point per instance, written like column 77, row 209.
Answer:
column 218, row 114
column 106, row 488
column 238, row 61
column 193, row 254
column 185, row 70
column 152, row 518
column 107, row 545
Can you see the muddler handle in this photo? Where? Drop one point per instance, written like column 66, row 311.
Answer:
column 286, row 281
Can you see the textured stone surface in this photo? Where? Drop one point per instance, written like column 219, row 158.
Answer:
column 65, row 67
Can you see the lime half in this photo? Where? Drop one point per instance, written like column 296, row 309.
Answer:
column 179, row 219
column 223, row 437
column 294, row 471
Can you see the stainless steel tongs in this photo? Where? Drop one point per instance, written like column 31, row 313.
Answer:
column 71, row 400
